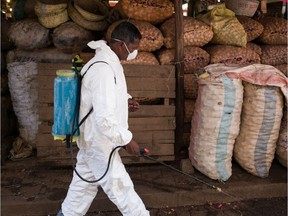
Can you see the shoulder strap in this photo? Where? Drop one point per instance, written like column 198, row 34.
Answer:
column 91, row 110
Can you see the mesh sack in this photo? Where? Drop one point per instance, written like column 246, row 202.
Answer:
column 190, row 86
column 256, row 48
column 275, row 31
column 227, row 30
column 71, row 38
column 188, row 110
column 282, row 68
column 154, row 11
column 28, row 34
column 282, row 143
column 274, row 54
column 215, row 125
column 196, row 33
column 194, row 58
column 23, row 88
column 152, row 38
column 260, row 124
column 232, row 55
column 144, row 58
column 252, row 27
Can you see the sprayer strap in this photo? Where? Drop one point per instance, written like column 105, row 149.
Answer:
column 91, row 66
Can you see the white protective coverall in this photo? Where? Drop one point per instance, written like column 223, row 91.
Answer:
column 104, row 88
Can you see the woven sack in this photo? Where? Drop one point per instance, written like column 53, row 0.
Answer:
column 28, row 34
column 194, row 58
column 152, row 38
column 190, row 86
column 88, row 15
column 53, row 2
column 256, row 48
column 53, row 20
column 274, row 54
column 282, row 143
column 215, row 125
column 232, row 55
column 196, row 33
column 275, row 31
column 23, row 88
column 227, row 30
column 154, row 11
column 143, row 58
column 94, row 6
column 189, row 106
column 260, row 124
column 89, row 25
column 252, row 27
column 71, row 38
column 42, row 9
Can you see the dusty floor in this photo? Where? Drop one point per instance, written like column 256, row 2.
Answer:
column 254, row 207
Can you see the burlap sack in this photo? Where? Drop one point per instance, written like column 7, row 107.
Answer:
column 153, row 11
column 194, row 58
column 275, row 31
column 260, row 124
column 252, row 27
column 144, row 58
column 28, row 34
column 274, row 54
column 215, row 124
column 282, row 143
column 152, row 38
column 227, row 30
column 71, row 38
column 190, row 86
column 232, row 55
column 196, row 33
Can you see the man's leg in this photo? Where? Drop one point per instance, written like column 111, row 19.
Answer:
column 120, row 190
column 80, row 194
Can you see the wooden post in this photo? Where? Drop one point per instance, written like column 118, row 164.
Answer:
column 179, row 56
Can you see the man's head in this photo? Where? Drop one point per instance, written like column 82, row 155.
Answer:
column 125, row 39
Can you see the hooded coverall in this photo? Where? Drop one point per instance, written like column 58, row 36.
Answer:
column 104, row 88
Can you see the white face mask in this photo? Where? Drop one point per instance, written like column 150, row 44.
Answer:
column 132, row 55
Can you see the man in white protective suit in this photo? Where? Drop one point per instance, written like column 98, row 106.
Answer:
column 104, row 88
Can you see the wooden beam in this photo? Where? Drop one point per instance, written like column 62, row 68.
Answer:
column 179, row 76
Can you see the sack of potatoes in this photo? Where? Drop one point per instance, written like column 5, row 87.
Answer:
column 154, row 11
column 196, row 33
column 143, row 58
column 194, row 58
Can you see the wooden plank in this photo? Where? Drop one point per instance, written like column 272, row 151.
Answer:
column 152, row 123
column 126, row 160
column 47, row 95
column 143, row 138
column 148, row 71
column 46, row 113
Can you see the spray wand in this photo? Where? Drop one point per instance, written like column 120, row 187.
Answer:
column 144, row 152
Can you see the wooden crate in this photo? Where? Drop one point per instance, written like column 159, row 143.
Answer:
column 153, row 126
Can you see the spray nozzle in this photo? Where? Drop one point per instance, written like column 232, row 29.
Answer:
column 144, row 151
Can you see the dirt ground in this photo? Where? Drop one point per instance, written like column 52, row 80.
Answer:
column 255, row 207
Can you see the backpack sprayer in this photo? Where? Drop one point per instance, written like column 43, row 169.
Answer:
column 67, row 89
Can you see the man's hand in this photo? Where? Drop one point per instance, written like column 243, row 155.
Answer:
column 133, row 148
column 133, row 105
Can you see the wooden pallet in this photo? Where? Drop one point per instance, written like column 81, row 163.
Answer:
column 153, row 126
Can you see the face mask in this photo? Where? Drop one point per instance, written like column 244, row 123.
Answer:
column 132, row 55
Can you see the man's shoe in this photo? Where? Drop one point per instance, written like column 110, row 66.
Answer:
column 60, row 213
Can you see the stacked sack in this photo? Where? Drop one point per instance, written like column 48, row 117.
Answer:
column 238, row 112
column 51, row 15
